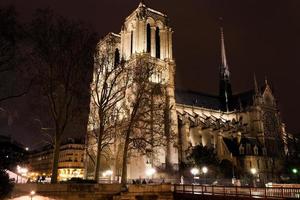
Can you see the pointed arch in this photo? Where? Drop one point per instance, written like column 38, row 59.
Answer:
column 148, row 38
column 117, row 57
column 157, row 42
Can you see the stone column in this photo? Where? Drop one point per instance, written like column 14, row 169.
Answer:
column 220, row 144
column 142, row 36
column 137, row 36
column 185, row 131
column 162, row 35
column 122, row 43
column 170, row 56
column 134, row 42
column 127, row 41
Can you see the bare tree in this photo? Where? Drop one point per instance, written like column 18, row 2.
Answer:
column 107, row 92
column 63, row 51
column 144, row 129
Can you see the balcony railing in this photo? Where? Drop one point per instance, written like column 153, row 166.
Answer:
column 235, row 191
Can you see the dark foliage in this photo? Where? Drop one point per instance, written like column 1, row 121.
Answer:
column 6, row 185
column 203, row 155
column 11, row 155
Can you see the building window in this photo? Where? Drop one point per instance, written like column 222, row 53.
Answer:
column 264, row 150
column 117, row 57
column 242, row 150
column 248, row 149
column 148, row 38
column 255, row 149
column 131, row 42
column 157, row 42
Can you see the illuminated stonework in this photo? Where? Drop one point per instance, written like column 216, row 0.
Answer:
column 236, row 125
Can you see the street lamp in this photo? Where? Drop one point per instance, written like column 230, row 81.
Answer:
column 194, row 171
column 253, row 172
column 204, row 170
column 32, row 193
column 295, row 171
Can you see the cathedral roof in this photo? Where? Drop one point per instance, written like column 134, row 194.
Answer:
column 238, row 101
column 242, row 100
column 198, row 99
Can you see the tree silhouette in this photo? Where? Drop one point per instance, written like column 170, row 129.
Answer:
column 63, row 51
column 203, row 155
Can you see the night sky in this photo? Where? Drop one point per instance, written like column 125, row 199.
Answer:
column 261, row 36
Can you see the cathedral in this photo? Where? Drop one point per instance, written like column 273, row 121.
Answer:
column 244, row 128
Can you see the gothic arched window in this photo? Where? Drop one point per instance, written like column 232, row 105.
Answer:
column 117, row 57
column 148, row 38
column 157, row 42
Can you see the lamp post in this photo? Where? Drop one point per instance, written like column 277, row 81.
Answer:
column 204, row 170
column 253, row 172
column 32, row 193
column 194, row 171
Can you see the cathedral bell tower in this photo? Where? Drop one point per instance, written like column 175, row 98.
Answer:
column 146, row 34
column 147, row 31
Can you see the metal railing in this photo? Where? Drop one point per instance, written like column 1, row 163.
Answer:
column 256, row 192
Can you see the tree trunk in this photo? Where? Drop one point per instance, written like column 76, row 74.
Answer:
column 125, row 156
column 99, row 151
column 55, row 160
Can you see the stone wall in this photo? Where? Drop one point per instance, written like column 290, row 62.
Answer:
column 96, row 191
column 69, row 191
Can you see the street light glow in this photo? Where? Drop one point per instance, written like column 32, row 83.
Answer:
column 195, row 171
column 32, row 193
column 107, row 173
column 295, row 171
column 22, row 170
column 253, row 171
column 150, row 171
column 204, row 170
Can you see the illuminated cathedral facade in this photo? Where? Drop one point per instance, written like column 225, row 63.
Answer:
column 244, row 129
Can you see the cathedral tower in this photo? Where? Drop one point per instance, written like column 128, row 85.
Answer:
column 147, row 31
column 145, row 40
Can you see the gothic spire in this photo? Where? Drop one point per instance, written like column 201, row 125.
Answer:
column 225, row 85
column 224, row 66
